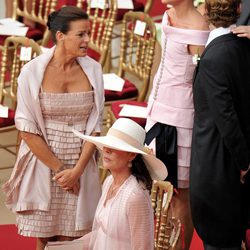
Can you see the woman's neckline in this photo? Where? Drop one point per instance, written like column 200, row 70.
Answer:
column 118, row 189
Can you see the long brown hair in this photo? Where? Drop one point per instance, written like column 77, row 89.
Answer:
column 140, row 171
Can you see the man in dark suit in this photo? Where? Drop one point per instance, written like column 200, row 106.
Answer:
column 221, row 134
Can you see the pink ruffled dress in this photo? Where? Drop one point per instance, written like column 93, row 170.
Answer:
column 171, row 98
column 61, row 112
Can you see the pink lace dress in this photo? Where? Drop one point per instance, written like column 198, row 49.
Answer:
column 62, row 112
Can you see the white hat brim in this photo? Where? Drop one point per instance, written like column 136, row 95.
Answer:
column 156, row 167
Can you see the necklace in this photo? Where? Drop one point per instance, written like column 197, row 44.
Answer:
column 114, row 188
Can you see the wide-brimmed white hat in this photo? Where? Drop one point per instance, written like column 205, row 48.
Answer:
column 127, row 135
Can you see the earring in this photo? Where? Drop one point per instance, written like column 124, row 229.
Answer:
column 130, row 164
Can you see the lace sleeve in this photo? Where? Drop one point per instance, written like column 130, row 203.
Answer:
column 140, row 216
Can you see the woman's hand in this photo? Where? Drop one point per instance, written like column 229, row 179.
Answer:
column 67, row 179
column 242, row 31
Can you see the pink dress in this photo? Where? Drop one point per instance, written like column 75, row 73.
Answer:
column 171, row 98
column 61, row 112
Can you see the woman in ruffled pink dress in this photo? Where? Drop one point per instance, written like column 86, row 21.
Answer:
column 54, row 188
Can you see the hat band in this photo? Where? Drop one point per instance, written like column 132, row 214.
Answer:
column 123, row 136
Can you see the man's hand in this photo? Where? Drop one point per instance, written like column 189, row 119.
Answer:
column 242, row 31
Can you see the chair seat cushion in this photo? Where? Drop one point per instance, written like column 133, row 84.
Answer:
column 117, row 106
column 5, row 122
column 129, row 91
column 2, row 39
column 34, row 33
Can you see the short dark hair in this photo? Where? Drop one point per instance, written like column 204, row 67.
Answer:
column 60, row 20
column 222, row 13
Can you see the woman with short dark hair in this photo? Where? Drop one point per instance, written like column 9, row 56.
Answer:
column 54, row 188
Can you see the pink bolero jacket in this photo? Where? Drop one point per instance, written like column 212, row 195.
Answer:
column 129, row 221
column 29, row 185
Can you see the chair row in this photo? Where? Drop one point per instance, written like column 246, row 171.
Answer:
column 136, row 57
column 37, row 11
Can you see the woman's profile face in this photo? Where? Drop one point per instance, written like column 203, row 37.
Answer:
column 77, row 38
column 116, row 159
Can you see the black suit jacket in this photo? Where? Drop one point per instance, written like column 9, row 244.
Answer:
column 221, row 140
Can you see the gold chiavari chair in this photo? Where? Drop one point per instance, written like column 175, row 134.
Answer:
column 137, row 4
column 142, row 6
column 38, row 12
column 9, row 72
column 136, row 59
column 167, row 230
column 102, row 24
column 148, row 6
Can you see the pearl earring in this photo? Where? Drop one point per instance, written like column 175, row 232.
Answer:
column 130, row 164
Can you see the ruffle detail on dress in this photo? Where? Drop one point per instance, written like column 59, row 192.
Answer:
column 65, row 127
column 184, row 137
column 64, row 145
column 63, row 139
column 184, row 156
column 27, row 126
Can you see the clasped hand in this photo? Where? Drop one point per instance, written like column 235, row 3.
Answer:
column 68, row 180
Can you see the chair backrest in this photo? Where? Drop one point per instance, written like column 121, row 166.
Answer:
column 11, row 65
column 102, row 24
column 36, row 11
column 148, row 6
column 137, row 51
column 167, row 229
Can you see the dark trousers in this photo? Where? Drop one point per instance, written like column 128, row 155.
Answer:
column 209, row 247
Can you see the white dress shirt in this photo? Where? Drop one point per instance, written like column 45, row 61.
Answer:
column 218, row 32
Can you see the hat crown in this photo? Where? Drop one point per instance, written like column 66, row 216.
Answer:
column 130, row 128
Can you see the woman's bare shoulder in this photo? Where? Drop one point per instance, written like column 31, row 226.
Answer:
column 198, row 21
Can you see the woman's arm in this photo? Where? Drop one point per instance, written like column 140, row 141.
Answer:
column 41, row 150
column 27, row 123
column 141, row 223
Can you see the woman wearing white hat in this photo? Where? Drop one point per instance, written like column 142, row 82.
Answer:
column 124, row 215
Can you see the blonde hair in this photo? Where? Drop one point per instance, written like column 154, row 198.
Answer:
column 222, row 13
